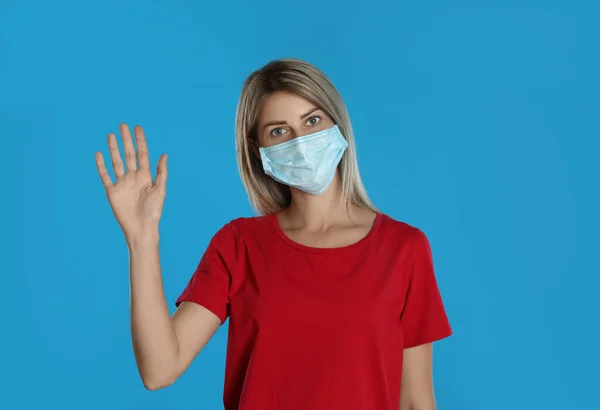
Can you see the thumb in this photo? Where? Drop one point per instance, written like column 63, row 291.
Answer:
column 161, row 173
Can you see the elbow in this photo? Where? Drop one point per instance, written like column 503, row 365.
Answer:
column 430, row 405
column 424, row 406
column 157, row 383
column 153, row 386
column 419, row 405
column 157, row 375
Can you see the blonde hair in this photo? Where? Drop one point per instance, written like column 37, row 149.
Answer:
column 266, row 195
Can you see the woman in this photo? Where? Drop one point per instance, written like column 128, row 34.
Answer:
column 332, row 304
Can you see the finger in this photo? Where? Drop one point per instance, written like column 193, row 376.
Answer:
column 142, row 148
column 115, row 155
column 102, row 171
column 128, row 148
column 161, row 173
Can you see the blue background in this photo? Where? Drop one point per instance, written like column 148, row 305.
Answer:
column 475, row 121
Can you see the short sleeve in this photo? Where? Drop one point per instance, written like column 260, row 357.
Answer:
column 424, row 317
column 211, row 281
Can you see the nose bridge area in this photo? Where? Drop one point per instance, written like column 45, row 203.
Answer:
column 297, row 131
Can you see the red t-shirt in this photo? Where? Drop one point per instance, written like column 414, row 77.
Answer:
column 313, row 328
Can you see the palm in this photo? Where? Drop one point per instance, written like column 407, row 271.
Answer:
column 135, row 200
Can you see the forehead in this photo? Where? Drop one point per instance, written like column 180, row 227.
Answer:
column 284, row 106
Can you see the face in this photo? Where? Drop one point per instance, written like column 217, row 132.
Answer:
column 286, row 115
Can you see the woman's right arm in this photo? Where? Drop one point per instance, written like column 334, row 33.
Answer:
column 164, row 346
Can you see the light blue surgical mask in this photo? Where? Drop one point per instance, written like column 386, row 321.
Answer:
column 307, row 163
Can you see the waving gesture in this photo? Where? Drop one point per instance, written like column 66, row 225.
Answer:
column 135, row 200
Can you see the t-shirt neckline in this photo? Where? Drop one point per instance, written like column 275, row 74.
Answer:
column 311, row 249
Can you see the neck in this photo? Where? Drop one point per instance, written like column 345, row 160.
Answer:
column 316, row 212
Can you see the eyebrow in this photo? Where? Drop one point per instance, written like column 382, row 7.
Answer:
column 312, row 110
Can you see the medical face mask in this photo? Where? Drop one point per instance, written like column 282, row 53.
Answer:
column 307, row 163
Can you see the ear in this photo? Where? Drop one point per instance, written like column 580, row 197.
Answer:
column 254, row 147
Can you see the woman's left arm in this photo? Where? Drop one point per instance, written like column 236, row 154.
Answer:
column 416, row 391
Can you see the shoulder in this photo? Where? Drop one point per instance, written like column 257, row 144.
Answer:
column 402, row 238
column 243, row 226
column 230, row 241
column 400, row 230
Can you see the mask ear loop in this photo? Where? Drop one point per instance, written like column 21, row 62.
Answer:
column 253, row 145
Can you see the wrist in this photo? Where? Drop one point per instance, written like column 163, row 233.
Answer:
column 144, row 238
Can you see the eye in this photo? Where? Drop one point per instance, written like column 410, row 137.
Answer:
column 314, row 120
column 277, row 132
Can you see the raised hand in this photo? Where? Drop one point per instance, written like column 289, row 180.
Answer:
column 136, row 201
